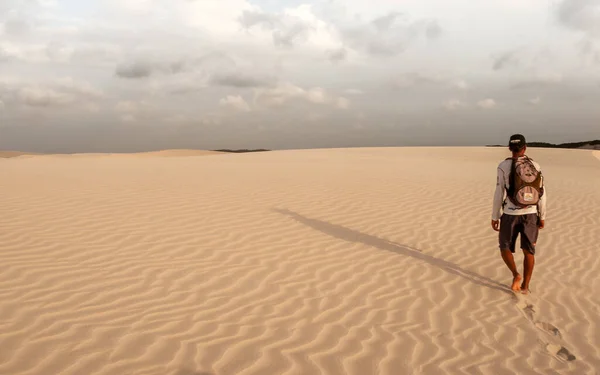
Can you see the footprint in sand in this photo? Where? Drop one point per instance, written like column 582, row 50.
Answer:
column 558, row 351
column 548, row 328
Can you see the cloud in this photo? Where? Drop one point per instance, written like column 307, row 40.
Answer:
column 95, row 53
column 286, row 30
column 83, row 90
column 4, row 55
column 128, row 106
column 185, row 84
column 1, row 105
column 535, row 101
column 132, row 111
column 389, row 35
column 433, row 30
column 589, row 51
column 43, row 97
column 134, row 70
column 56, row 93
column 16, row 27
column 581, row 15
column 342, row 103
column 354, row 92
column 538, row 81
column 239, row 80
column 417, row 79
column 529, row 60
column 143, row 69
column 218, row 19
column 427, row 79
column 285, row 93
column 337, row 55
column 221, row 66
column 127, row 118
column 486, row 103
column 506, row 59
column 453, row 104
column 177, row 119
column 461, row 85
column 235, row 102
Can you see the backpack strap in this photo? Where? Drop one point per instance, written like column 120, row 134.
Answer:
column 511, row 179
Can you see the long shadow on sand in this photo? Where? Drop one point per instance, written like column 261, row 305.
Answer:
column 192, row 372
column 350, row 235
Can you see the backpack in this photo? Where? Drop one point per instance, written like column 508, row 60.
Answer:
column 525, row 183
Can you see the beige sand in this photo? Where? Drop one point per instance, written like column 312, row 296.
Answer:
column 14, row 154
column 163, row 153
column 348, row 261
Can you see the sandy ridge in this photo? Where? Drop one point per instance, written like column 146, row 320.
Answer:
column 323, row 261
column 161, row 153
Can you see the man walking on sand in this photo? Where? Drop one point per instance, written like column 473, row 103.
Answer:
column 519, row 208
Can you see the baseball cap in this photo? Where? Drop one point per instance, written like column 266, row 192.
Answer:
column 517, row 142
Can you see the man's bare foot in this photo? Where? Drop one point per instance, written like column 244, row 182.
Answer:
column 516, row 283
column 525, row 291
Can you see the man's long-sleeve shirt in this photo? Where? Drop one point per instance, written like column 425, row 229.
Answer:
column 502, row 184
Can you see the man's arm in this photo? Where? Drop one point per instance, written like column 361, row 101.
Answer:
column 541, row 207
column 498, row 195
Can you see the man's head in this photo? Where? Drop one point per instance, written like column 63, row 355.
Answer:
column 517, row 143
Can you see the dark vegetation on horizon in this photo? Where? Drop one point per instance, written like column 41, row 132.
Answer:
column 241, row 151
column 589, row 144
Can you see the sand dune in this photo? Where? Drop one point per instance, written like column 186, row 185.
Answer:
column 163, row 153
column 13, row 154
column 347, row 261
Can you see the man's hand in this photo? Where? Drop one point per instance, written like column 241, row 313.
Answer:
column 496, row 225
column 541, row 224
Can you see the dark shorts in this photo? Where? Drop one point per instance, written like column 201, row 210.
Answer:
column 513, row 225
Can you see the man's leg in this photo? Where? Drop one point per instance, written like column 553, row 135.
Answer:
column 528, row 263
column 509, row 260
column 508, row 238
column 529, row 238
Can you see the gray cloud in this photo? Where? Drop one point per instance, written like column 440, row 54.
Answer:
column 299, row 114
column 337, row 55
column 95, row 53
column 248, row 19
column 417, row 79
column 286, row 30
column 55, row 93
column 16, row 27
column 589, row 51
column 433, row 30
column 143, row 69
column 386, row 35
column 43, row 97
column 537, row 83
column 134, row 70
column 504, row 60
column 4, row 55
column 389, row 35
column 151, row 64
column 384, row 23
column 431, row 80
column 239, row 80
column 582, row 15
column 288, row 36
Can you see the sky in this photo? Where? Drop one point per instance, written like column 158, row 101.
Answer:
column 137, row 75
